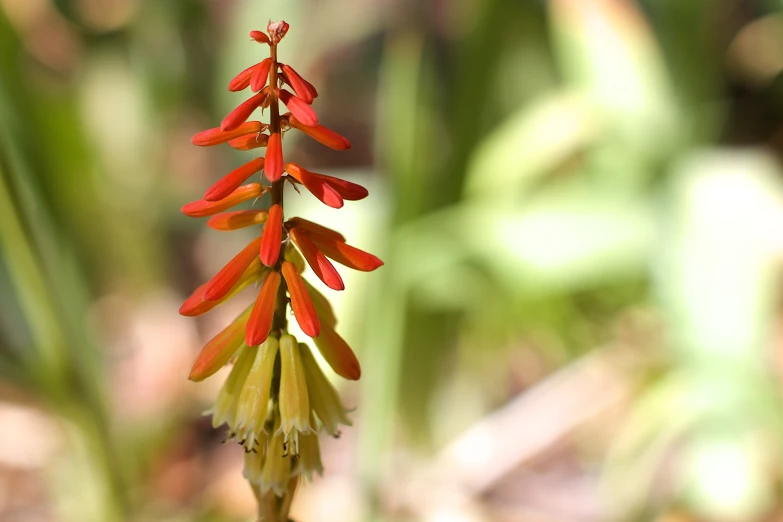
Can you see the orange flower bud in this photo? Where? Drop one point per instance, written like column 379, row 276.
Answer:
column 260, row 75
column 338, row 354
column 239, row 115
column 237, row 219
column 299, row 109
column 274, row 158
column 322, row 306
column 321, row 266
column 249, row 142
column 203, row 208
column 276, row 31
column 298, row 222
column 196, row 305
column 301, row 302
column 301, row 87
column 345, row 254
column 259, row 37
column 217, row 136
column 242, row 80
column 219, row 350
column 330, row 190
column 228, row 276
column 231, row 181
column 321, row 134
column 272, row 235
column 260, row 322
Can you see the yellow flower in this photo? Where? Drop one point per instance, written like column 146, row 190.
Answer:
column 294, row 403
column 225, row 407
column 309, row 461
column 324, row 399
column 253, row 404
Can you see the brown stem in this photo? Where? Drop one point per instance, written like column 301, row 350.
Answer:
column 280, row 321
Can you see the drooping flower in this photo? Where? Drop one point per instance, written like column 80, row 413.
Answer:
column 276, row 397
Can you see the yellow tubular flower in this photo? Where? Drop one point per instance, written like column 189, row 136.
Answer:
column 253, row 401
column 225, row 407
column 309, row 461
column 294, row 403
column 278, row 465
column 324, row 399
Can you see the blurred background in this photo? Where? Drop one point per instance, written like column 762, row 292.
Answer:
column 580, row 206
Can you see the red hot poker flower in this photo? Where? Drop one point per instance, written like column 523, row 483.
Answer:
column 260, row 392
column 237, row 219
column 259, row 37
column 274, row 158
column 228, row 276
column 219, row 350
column 301, row 110
column 301, row 87
column 321, row 266
column 203, row 208
column 301, row 302
column 260, row 322
column 239, row 115
column 272, row 235
column 249, row 142
column 231, row 181
column 217, row 136
column 330, row 190
column 321, row 134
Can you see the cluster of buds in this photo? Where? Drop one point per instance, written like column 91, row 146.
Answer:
column 276, row 398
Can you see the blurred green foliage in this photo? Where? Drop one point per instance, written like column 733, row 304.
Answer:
column 551, row 182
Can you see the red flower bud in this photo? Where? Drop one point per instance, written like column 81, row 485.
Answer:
column 259, row 37
column 216, row 136
column 272, row 235
column 260, row 322
column 219, row 350
column 338, row 354
column 239, row 115
column 231, row 181
column 301, row 302
column 237, row 219
column 249, row 142
column 301, row 87
column 228, row 276
column 322, row 267
column 299, row 109
column 321, row 134
column 260, row 75
column 203, row 208
column 273, row 168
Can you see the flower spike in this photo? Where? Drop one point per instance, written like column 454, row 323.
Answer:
column 276, row 398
